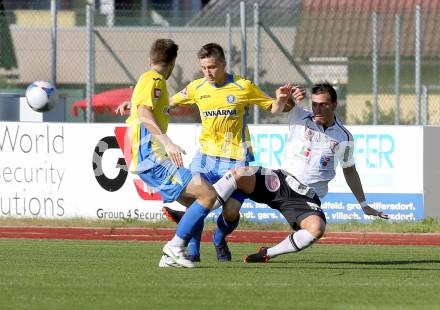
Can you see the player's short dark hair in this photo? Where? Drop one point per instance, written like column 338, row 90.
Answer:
column 163, row 51
column 325, row 87
column 211, row 50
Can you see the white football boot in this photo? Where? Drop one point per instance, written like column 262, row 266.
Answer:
column 178, row 255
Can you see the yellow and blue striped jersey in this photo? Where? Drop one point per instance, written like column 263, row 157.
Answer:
column 224, row 111
column 150, row 91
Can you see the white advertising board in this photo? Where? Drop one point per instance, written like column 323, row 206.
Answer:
column 46, row 170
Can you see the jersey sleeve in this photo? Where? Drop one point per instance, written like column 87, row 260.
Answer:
column 185, row 96
column 147, row 92
column 345, row 151
column 258, row 97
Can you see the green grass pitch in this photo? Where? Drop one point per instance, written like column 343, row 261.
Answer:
column 49, row 274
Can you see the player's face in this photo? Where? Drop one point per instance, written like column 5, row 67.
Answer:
column 213, row 69
column 323, row 109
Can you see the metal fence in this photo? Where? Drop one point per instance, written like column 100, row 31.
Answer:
column 384, row 64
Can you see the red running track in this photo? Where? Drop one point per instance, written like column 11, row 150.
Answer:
column 238, row 236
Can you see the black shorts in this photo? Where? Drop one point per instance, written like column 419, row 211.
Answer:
column 272, row 189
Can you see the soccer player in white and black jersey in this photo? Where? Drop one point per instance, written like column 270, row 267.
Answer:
column 317, row 143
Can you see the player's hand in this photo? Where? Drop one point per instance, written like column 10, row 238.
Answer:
column 370, row 211
column 283, row 93
column 298, row 93
column 123, row 108
column 173, row 151
column 175, row 154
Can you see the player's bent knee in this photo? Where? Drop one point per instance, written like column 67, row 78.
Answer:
column 316, row 229
column 314, row 225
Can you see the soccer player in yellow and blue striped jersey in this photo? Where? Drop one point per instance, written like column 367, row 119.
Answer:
column 224, row 101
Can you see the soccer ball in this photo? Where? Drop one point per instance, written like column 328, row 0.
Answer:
column 41, row 96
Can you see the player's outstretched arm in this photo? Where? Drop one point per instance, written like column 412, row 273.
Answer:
column 174, row 151
column 354, row 182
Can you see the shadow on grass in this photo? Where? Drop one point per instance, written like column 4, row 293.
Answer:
column 367, row 265
column 384, row 263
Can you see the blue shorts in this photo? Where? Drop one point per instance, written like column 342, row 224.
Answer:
column 166, row 178
column 212, row 168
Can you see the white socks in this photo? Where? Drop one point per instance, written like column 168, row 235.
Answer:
column 293, row 243
column 224, row 188
column 177, row 242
